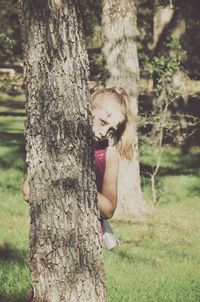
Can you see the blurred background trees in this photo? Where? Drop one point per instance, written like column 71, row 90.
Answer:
column 168, row 43
column 10, row 44
column 156, row 21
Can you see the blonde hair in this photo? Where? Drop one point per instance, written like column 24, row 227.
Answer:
column 125, row 133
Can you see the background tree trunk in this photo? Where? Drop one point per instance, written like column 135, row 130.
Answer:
column 170, row 21
column 119, row 49
column 162, row 17
column 65, row 246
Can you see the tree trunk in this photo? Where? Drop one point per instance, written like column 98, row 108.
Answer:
column 170, row 21
column 65, row 246
column 167, row 21
column 121, row 68
column 162, row 17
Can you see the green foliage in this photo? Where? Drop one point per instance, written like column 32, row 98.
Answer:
column 11, row 86
column 7, row 45
column 3, row 85
column 9, row 32
column 186, row 11
column 189, row 131
column 145, row 25
column 192, row 39
column 164, row 120
column 91, row 12
column 162, row 68
column 182, row 121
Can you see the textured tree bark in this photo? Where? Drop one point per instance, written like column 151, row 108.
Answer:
column 65, row 246
column 121, row 65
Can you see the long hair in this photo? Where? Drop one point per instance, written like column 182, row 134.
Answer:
column 125, row 134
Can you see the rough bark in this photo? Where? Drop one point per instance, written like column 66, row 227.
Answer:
column 121, row 65
column 65, row 246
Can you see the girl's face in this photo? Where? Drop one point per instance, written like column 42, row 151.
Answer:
column 106, row 120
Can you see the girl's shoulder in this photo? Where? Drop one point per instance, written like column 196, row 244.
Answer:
column 112, row 156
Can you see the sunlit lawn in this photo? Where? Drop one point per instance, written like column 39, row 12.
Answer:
column 158, row 259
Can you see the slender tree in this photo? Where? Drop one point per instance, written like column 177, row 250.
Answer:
column 119, row 29
column 170, row 22
column 65, row 246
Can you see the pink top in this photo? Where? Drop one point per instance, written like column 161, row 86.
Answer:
column 100, row 162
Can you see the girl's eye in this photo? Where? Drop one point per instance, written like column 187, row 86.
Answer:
column 110, row 133
column 111, row 137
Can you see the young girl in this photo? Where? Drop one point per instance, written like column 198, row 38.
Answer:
column 113, row 137
column 111, row 125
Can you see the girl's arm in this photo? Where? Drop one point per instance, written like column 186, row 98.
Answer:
column 25, row 189
column 107, row 199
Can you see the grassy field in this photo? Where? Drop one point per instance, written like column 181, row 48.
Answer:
column 158, row 259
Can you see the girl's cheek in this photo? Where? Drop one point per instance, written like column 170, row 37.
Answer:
column 93, row 117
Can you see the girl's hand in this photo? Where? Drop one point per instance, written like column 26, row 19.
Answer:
column 25, row 190
column 105, row 206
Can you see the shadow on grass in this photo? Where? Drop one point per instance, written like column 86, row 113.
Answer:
column 179, row 165
column 17, row 298
column 11, row 139
column 195, row 190
column 9, row 253
column 125, row 256
column 12, row 114
column 127, row 222
column 14, row 157
column 12, row 107
column 13, row 103
column 17, row 292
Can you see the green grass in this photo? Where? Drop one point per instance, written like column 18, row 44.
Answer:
column 158, row 259
column 14, row 212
